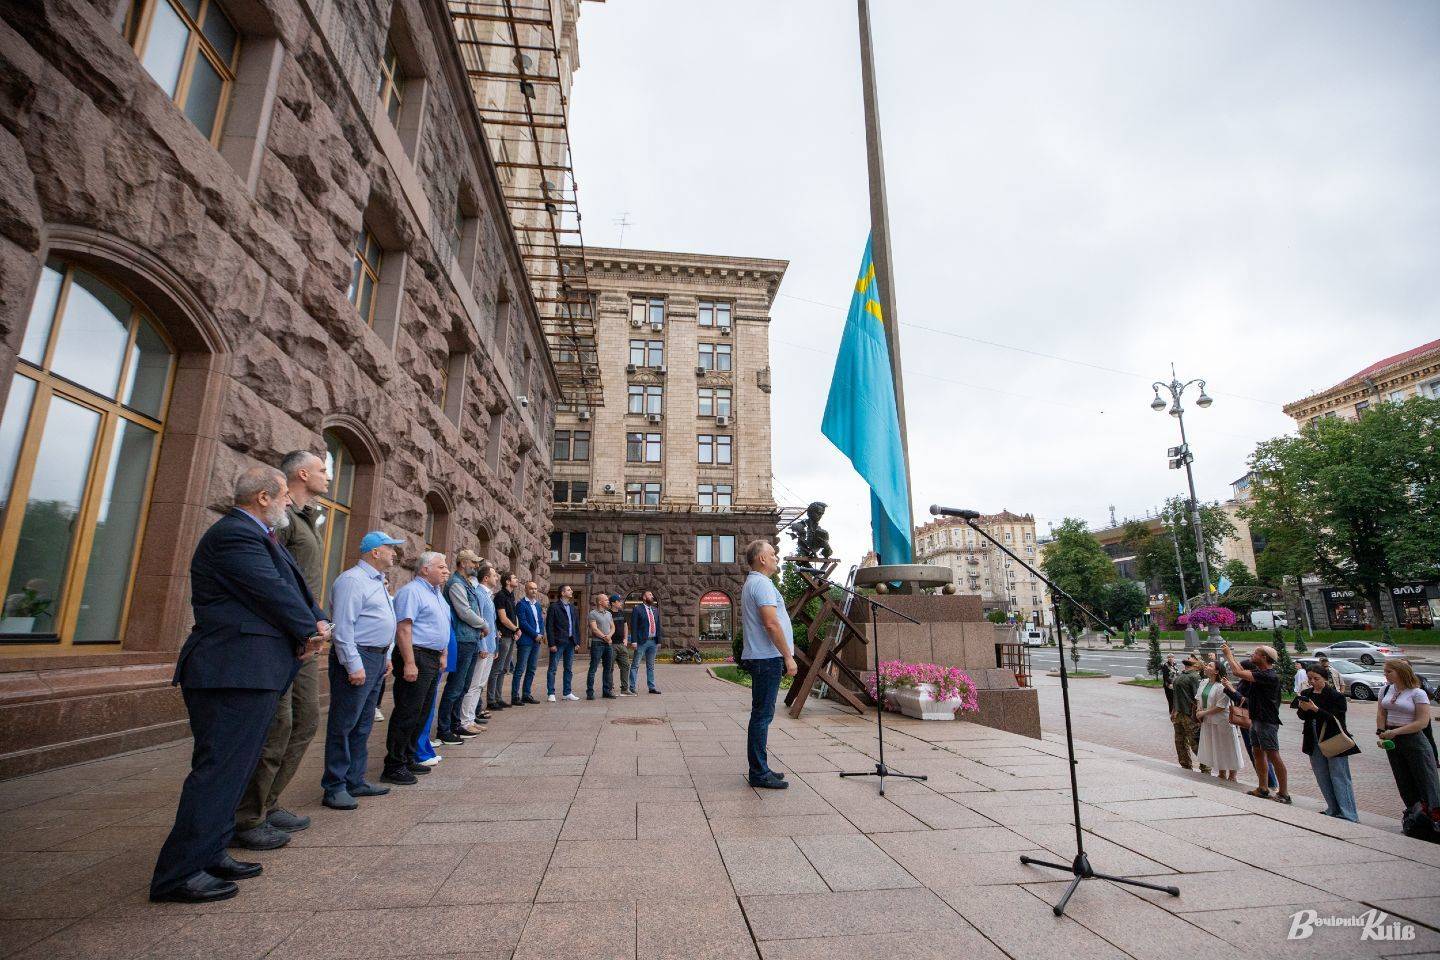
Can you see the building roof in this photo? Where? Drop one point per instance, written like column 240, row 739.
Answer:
column 1381, row 365
column 984, row 520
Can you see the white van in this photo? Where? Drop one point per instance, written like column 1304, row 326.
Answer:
column 1268, row 619
column 1033, row 637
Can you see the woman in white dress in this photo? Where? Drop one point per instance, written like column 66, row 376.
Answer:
column 1220, row 746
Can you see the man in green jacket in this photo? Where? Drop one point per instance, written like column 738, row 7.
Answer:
column 260, row 823
column 1187, row 727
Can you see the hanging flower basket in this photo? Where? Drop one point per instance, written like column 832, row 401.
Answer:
column 925, row 691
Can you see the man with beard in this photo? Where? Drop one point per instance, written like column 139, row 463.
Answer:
column 256, row 623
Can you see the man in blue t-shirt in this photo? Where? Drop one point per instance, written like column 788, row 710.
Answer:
column 769, row 654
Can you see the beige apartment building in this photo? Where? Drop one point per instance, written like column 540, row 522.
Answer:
column 1392, row 380
column 984, row 571
column 662, row 486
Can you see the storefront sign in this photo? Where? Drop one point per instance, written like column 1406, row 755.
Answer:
column 715, row 599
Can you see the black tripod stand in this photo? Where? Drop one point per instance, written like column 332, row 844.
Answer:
column 1081, row 866
column 881, row 770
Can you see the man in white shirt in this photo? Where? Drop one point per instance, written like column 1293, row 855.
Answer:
column 769, row 654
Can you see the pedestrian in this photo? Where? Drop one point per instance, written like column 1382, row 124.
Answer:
column 1322, row 709
column 422, row 637
column 260, row 823
column 484, row 582
column 1402, row 716
column 646, row 635
column 768, row 655
column 1168, row 671
column 560, row 629
column 601, row 626
column 621, row 644
column 459, row 594
column 1264, row 697
column 427, row 741
column 1182, row 718
column 1221, row 748
column 1332, row 676
column 255, row 623
column 364, row 617
column 1239, row 694
column 509, row 630
column 530, row 615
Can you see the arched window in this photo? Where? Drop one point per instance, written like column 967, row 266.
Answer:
column 78, row 444
column 437, row 523
column 334, row 519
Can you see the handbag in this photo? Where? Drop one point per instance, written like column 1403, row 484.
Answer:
column 1338, row 742
column 1240, row 717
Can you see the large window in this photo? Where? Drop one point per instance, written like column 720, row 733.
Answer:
column 642, row 448
column 715, row 356
column 390, row 87
column 365, row 275
column 334, row 520
column 641, row 547
column 638, row 494
column 716, row 494
column 714, row 449
column 572, row 445
column 715, row 548
column 645, row 399
column 78, row 444
column 647, row 353
column 713, row 313
column 647, row 310
column 714, row 401
column 192, row 50
column 571, row 491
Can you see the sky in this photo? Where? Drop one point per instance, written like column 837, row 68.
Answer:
column 1080, row 195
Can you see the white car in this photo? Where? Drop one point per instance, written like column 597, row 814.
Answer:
column 1033, row 638
column 1360, row 650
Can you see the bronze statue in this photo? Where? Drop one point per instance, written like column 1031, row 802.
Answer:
column 812, row 540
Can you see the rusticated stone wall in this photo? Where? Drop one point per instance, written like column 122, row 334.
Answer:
column 243, row 251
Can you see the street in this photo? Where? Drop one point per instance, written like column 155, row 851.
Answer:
column 1107, row 712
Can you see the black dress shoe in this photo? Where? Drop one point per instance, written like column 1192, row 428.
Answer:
column 199, row 887
column 653, row 690
column 419, row 769
column 771, row 782
column 529, row 699
column 611, row 696
column 228, row 868
column 399, row 775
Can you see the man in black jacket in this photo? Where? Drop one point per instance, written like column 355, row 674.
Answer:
column 255, row 624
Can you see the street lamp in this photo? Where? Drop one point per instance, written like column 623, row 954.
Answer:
column 1181, row 456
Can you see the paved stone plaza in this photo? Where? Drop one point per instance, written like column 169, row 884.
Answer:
column 624, row 829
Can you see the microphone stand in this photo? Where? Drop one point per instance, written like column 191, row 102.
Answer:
column 1080, row 868
column 881, row 769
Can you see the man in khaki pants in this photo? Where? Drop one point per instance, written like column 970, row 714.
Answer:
column 260, row 824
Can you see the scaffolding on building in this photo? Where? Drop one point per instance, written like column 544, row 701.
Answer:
column 519, row 57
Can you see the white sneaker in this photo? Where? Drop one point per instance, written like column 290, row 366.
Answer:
column 551, row 698
column 434, row 743
column 571, row 696
column 379, row 715
column 433, row 760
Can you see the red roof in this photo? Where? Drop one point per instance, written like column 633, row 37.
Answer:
column 1375, row 368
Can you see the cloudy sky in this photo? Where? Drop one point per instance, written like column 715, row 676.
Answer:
column 1080, row 195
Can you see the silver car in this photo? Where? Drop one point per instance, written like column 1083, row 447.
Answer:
column 1360, row 650
column 1363, row 683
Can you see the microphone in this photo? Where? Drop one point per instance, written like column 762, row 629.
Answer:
column 938, row 511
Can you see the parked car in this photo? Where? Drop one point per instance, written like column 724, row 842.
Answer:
column 1364, row 683
column 1361, row 651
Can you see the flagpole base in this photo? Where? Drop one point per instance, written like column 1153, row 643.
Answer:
column 904, row 577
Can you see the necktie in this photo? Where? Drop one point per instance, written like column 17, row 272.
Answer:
column 273, row 539
column 650, row 615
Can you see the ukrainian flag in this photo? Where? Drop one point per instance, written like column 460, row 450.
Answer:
column 861, row 418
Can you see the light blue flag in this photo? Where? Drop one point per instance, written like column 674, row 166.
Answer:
column 862, row 421
column 1223, row 584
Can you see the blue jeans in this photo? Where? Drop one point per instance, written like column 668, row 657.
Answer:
column 563, row 651
column 455, row 686
column 527, row 658
column 352, row 714
column 764, row 687
column 1333, row 775
column 646, row 652
column 602, row 658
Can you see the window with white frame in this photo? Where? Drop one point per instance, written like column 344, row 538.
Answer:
column 713, row 313
column 645, row 399
column 647, row 353
column 715, row 356
column 714, row 402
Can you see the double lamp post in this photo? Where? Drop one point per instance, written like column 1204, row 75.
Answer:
column 1181, row 456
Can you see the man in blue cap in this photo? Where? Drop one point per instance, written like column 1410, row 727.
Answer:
column 364, row 617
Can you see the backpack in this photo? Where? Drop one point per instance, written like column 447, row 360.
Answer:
column 1419, row 824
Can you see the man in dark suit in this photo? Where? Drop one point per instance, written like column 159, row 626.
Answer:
column 645, row 634
column 255, row 623
column 562, row 628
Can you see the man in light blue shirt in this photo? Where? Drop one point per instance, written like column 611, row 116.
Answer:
column 422, row 636
column 768, row 655
column 364, row 618
column 487, row 581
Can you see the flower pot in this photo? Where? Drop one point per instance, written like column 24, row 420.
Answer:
column 919, row 702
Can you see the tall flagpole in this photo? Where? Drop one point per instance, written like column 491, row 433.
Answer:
column 880, row 236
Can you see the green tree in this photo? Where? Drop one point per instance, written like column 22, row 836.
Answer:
column 1155, row 551
column 1284, row 666
column 1123, row 602
column 1077, row 562
column 1245, row 591
column 996, row 616
column 1300, row 646
column 1156, row 659
column 1355, row 501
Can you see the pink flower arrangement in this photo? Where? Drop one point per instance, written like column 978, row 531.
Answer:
column 1222, row 617
column 951, row 683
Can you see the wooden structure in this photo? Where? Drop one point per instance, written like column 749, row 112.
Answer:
column 828, row 634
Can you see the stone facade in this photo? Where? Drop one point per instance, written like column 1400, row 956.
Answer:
column 241, row 247
column 983, row 571
column 679, row 285
column 1416, row 372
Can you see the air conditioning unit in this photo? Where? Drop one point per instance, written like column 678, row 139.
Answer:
column 699, row 371
column 584, row 416
column 660, row 370
column 657, row 327
column 722, row 420
column 629, row 368
column 635, row 323
column 609, row 488
column 724, row 331
column 654, row 418
column 577, row 557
